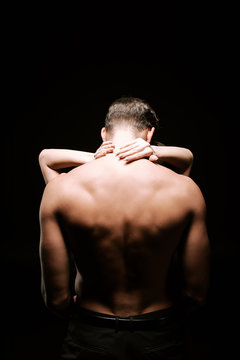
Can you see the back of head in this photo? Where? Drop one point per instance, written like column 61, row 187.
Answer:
column 130, row 112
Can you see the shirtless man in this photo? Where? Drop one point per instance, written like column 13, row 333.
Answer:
column 122, row 222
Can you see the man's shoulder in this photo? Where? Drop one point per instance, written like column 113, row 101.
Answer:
column 57, row 183
column 182, row 185
column 171, row 177
column 191, row 192
column 56, row 190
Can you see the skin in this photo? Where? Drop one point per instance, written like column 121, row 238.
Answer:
column 52, row 161
column 122, row 222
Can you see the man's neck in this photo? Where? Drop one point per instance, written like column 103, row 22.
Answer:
column 122, row 137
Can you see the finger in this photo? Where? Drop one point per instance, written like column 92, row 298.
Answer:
column 125, row 149
column 108, row 151
column 110, row 146
column 144, row 152
column 135, row 147
column 137, row 156
column 105, row 152
column 106, row 143
column 139, row 145
column 153, row 158
column 124, row 154
column 97, row 155
column 100, row 153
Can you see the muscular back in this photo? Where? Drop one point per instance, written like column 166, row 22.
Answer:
column 122, row 224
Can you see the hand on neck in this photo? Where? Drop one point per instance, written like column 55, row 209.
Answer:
column 123, row 135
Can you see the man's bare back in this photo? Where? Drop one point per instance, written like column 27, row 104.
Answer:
column 123, row 224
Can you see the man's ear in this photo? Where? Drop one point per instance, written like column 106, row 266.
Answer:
column 150, row 134
column 103, row 134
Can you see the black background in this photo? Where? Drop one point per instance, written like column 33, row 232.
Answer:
column 63, row 68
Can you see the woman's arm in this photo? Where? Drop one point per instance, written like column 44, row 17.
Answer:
column 52, row 161
column 180, row 159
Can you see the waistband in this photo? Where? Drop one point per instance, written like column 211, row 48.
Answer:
column 148, row 321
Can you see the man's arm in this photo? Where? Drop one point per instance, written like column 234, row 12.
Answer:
column 196, row 251
column 54, row 257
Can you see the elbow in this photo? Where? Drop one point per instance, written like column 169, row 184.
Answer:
column 62, row 308
column 198, row 299
column 189, row 162
column 58, row 302
column 190, row 157
column 43, row 156
column 197, row 296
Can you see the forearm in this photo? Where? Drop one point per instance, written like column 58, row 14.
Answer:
column 62, row 310
column 180, row 159
column 52, row 161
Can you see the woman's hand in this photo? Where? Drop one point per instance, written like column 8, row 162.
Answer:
column 177, row 158
column 107, row 147
column 135, row 150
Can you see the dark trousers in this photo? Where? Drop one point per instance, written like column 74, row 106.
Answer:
column 155, row 335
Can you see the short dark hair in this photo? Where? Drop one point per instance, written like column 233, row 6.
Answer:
column 133, row 111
